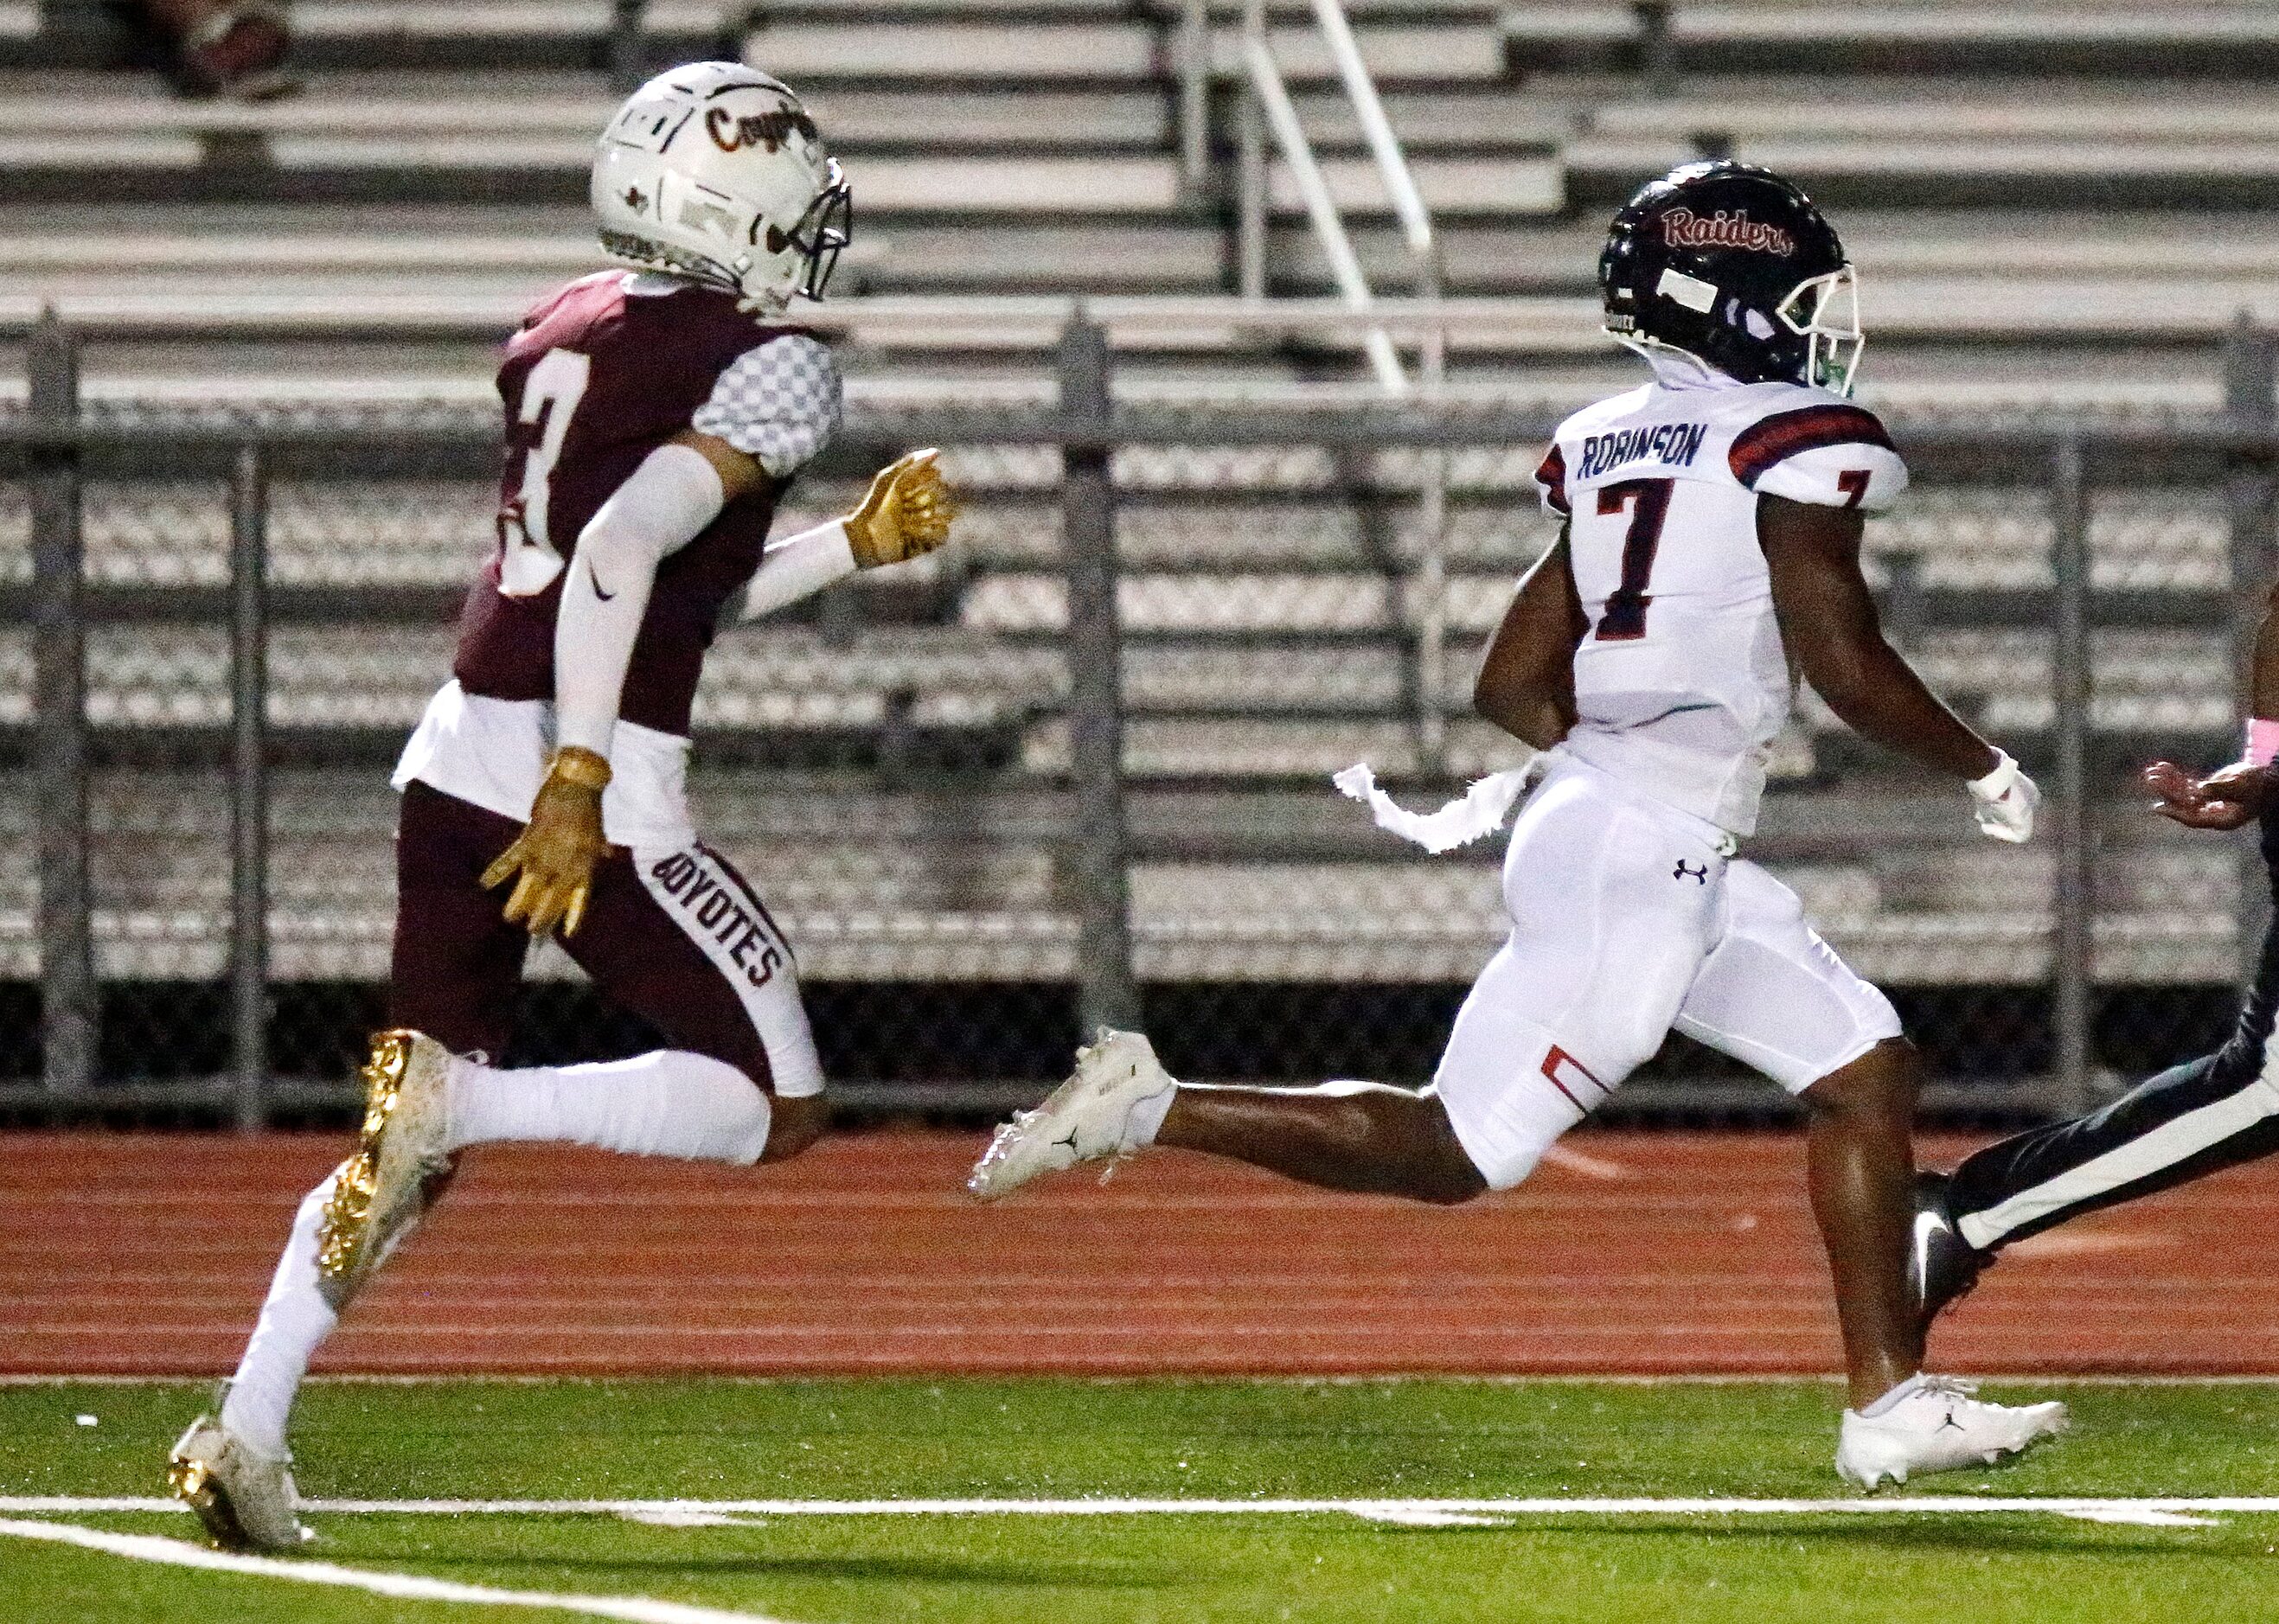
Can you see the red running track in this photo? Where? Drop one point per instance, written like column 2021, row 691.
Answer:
column 1636, row 1253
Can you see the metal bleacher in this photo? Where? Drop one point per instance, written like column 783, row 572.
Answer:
column 2036, row 235
column 383, row 227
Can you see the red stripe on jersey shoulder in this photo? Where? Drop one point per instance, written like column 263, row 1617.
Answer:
column 1774, row 440
column 1551, row 473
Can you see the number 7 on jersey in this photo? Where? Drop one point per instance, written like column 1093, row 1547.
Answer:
column 1648, row 501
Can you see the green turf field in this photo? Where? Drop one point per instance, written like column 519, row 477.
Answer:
column 1392, row 1444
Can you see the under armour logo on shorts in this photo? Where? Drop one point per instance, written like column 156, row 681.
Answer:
column 1683, row 870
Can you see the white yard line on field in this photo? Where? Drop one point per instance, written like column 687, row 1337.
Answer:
column 2158, row 1510
column 1548, row 1378
column 403, row 1587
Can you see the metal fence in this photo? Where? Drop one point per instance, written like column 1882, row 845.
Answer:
column 1074, row 768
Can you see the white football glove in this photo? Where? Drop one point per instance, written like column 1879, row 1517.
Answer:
column 2003, row 802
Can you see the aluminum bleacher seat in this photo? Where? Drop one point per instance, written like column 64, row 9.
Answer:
column 984, row 169
column 2183, row 38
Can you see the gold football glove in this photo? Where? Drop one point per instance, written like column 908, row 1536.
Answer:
column 907, row 514
column 557, row 849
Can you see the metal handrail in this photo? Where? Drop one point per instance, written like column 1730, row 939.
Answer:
column 1391, row 167
column 1269, row 97
column 1313, row 186
column 1376, row 129
column 1425, row 604
column 1429, row 598
column 1194, row 97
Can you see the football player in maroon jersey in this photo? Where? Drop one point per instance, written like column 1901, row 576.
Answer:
column 654, row 416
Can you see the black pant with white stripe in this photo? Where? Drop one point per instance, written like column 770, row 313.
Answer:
column 2204, row 1115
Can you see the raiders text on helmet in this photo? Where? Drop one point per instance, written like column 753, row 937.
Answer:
column 1733, row 266
column 714, row 172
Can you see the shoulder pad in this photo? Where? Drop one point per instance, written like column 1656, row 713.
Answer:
column 779, row 401
column 1551, row 473
column 550, row 302
column 1833, row 453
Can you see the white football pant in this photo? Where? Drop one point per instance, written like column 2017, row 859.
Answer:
column 1629, row 919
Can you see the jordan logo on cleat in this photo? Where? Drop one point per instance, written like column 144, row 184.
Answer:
column 1685, row 870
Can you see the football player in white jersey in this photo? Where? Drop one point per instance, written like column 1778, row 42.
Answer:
column 1710, row 552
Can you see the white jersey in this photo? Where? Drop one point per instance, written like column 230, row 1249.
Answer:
column 1682, row 684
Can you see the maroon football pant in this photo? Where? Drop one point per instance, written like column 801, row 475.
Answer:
column 685, row 944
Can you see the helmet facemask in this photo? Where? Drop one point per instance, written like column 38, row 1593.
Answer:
column 822, row 234
column 1824, row 312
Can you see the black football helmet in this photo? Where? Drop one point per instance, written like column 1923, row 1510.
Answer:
column 1735, row 266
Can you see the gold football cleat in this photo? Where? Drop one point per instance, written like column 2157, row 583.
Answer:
column 244, row 1500
column 403, row 1152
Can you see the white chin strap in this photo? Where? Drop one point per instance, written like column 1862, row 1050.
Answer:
column 1675, row 368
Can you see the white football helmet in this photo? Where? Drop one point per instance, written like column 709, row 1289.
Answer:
column 714, row 172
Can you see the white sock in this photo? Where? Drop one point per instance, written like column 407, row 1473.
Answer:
column 669, row 1103
column 666, row 1103
column 1891, row 1398
column 295, row 1318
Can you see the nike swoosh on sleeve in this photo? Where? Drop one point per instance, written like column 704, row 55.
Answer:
column 604, row 596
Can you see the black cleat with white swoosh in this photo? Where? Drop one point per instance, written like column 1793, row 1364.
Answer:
column 1941, row 1264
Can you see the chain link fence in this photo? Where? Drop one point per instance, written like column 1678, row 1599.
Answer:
column 1075, row 767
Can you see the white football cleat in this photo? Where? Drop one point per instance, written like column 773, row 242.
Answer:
column 244, row 1498
column 1934, row 1425
column 381, row 1190
column 1082, row 1120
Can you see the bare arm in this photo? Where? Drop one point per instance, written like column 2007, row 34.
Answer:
column 1829, row 622
column 740, row 473
column 1526, row 685
column 2233, row 795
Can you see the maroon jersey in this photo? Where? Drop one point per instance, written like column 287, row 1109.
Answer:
column 597, row 378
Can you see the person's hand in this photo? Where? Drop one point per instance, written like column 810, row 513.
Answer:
column 557, row 849
column 2226, row 798
column 2003, row 802
column 906, row 515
